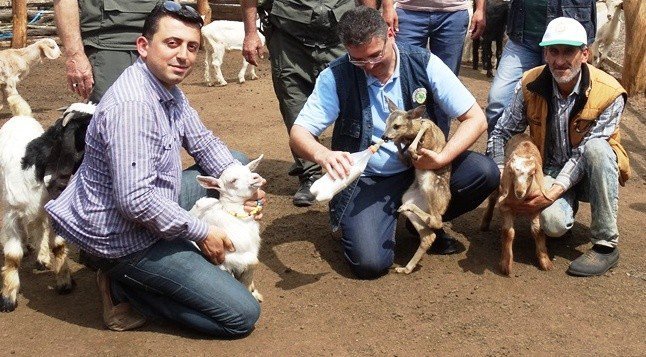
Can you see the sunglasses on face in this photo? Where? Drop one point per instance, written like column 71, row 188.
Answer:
column 370, row 60
column 184, row 11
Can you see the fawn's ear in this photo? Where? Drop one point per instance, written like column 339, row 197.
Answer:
column 252, row 166
column 209, row 182
column 391, row 105
column 418, row 112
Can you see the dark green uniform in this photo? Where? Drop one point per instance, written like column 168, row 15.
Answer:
column 109, row 29
column 302, row 41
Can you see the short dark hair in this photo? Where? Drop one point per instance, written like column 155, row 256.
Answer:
column 360, row 25
column 184, row 13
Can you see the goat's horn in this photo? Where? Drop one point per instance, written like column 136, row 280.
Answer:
column 67, row 118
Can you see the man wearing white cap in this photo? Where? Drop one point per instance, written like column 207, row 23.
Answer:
column 573, row 112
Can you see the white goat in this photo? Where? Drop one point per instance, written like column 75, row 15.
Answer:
column 35, row 165
column 220, row 36
column 236, row 185
column 606, row 33
column 15, row 65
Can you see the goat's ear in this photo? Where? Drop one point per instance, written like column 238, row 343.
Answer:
column 50, row 49
column 391, row 105
column 418, row 112
column 252, row 166
column 209, row 182
column 505, row 182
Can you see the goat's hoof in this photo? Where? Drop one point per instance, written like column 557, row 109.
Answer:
column 210, row 84
column 8, row 304
column 403, row 270
column 42, row 266
column 505, row 268
column 65, row 288
column 545, row 263
column 254, row 77
column 257, row 295
column 241, row 80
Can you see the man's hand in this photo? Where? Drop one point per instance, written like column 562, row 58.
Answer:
column 536, row 203
column 252, row 48
column 430, row 160
column 79, row 74
column 336, row 163
column 216, row 245
column 478, row 24
column 256, row 203
column 390, row 16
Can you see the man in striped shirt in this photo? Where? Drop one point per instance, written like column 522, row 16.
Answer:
column 573, row 112
column 122, row 207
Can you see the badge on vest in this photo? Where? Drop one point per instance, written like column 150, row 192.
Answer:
column 419, row 95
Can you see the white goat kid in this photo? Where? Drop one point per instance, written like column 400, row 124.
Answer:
column 607, row 33
column 220, row 36
column 35, row 166
column 236, row 185
column 15, row 65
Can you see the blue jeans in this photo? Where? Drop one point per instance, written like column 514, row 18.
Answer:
column 600, row 187
column 517, row 57
column 172, row 280
column 369, row 221
column 441, row 32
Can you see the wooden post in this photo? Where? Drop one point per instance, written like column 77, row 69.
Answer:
column 204, row 9
column 19, row 8
column 633, row 77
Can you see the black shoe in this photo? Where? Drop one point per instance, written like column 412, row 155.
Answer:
column 444, row 244
column 303, row 197
column 596, row 261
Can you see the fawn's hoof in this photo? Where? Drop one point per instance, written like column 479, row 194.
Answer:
column 403, row 270
column 257, row 295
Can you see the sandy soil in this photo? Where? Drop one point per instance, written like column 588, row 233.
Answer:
column 452, row 305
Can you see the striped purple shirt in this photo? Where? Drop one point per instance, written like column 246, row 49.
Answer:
column 124, row 197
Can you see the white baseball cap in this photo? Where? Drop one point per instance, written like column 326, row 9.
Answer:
column 564, row 31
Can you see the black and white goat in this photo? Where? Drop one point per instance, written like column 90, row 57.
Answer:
column 35, row 166
column 15, row 65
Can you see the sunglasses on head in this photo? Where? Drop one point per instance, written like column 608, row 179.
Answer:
column 184, row 11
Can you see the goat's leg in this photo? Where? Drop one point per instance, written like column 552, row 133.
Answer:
column 39, row 231
column 11, row 235
column 3, row 97
column 242, row 72
column 433, row 221
column 412, row 149
column 476, row 42
column 218, row 56
column 64, row 281
column 488, row 215
column 246, row 278
column 17, row 104
column 208, row 59
column 544, row 261
column 508, row 234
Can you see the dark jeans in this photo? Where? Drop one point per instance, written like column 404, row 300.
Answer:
column 369, row 222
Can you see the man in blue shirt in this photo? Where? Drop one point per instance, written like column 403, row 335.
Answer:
column 351, row 94
column 122, row 206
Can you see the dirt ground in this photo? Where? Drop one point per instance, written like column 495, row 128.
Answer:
column 452, row 305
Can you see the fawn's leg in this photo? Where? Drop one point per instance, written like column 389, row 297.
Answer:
column 426, row 238
column 488, row 215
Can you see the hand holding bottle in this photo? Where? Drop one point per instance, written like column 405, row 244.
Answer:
column 337, row 163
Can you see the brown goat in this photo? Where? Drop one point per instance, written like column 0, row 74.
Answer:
column 521, row 177
column 428, row 197
column 15, row 65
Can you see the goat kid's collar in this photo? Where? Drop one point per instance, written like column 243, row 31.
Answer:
column 542, row 86
column 253, row 212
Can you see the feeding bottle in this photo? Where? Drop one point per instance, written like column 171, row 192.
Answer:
column 326, row 187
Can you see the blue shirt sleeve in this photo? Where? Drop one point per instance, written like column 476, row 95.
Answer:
column 322, row 106
column 448, row 92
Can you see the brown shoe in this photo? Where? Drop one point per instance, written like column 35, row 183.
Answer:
column 120, row 317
